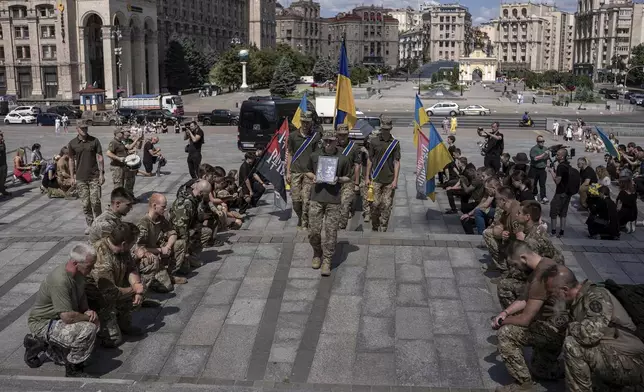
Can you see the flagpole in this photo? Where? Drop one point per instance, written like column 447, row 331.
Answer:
column 337, row 79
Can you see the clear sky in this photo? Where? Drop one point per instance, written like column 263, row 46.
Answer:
column 481, row 10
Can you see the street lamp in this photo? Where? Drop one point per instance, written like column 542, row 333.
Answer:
column 461, row 72
column 243, row 58
column 116, row 35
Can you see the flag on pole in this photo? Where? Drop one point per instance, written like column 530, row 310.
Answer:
column 421, row 165
column 345, row 106
column 420, row 118
column 610, row 147
column 271, row 164
column 437, row 158
column 301, row 109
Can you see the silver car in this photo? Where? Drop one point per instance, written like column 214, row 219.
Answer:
column 443, row 109
column 475, row 110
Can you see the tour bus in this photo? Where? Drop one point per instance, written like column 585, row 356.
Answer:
column 172, row 103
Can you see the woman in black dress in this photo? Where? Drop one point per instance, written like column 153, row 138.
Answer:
column 603, row 221
column 627, row 205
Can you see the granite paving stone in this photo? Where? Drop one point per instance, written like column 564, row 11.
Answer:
column 458, row 364
column 186, row 361
column 417, row 363
column 204, row 325
column 379, row 297
column 463, row 258
column 477, row 299
column 221, row 292
column 410, row 273
column 376, row 334
column 448, row 317
column 255, row 288
column 234, row 267
column 150, row 354
column 284, row 350
column 438, row 268
column 441, row 288
column 375, row 369
column 411, row 295
column 470, row 277
column 413, row 323
column 262, row 268
column 342, row 315
column 349, row 281
column 246, row 311
column 278, row 371
column 334, row 359
column 409, row 255
column 380, row 267
column 231, row 353
column 296, row 307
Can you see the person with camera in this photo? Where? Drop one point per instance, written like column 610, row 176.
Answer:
column 492, row 147
column 567, row 180
column 195, row 138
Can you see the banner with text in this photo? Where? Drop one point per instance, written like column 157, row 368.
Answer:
column 271, row 164
column 421, row 165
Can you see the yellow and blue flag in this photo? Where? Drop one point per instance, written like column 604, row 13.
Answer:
column 437, row 158
column 610, row 147
column 301, row 109
column 420, row 118
column 345, row 106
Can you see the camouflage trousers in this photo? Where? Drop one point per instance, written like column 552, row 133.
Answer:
column 187, row 249
column 600, row 363
column 366, row 205
column 78, row 339
column 347, row 194
column 383, row 201
column 154, row 272
column 124, row 177
column 546, row 342
column 497, row 248
column 326, row 214
column 509, row 289
column 301, row 193
column 114, row 314
column 90, row 195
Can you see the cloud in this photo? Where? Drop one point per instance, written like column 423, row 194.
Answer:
column 484, row 14
column 329, row 8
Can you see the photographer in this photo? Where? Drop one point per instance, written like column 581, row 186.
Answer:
column 567, row 180
column 493, row 146
column 195, row 136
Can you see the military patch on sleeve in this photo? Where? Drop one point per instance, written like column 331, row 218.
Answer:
column 595, row 306
column 560, row 320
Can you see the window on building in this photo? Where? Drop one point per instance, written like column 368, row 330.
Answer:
column 49, row 52
column 3, row 81
column 21, row 32
column 47, row 31
column 50, row 80
column 441, row 19
column 1, row 52
column 25, row 85
column 46, row 11
column 23, row 52
column 18, row 12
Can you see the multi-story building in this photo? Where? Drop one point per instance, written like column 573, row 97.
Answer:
column 490, row 32
column 371, row 36
column 51, row 49
column 407, row 18
column 447, row 29
column 533, row 36
column 605, row 31
column 410, row 46
column 213, row 25
column 261, row 23
column 300, row 27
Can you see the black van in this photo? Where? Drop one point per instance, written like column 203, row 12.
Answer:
column 260, row 117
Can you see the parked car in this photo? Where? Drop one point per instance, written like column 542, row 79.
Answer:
column 636, row 99
column 155, row 115
column 443, row 109
column 611, row 94
column 101, row 117
column 127, row 113
column 475, row 110
column 218, row 117
column 33, row 110
column 47, row 119
column 18, row 118
column 70, row 111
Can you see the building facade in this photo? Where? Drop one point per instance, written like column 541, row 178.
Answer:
column 407, row 18
column 301, row 27
column 49, row 50
column 605, row 31
column 410, row 46
column 371, row 36
column 448, row 32
column 261, row 23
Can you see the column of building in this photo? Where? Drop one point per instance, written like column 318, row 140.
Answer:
column 125, row 71
column 138, row 60
column 82, row 56
column 153, row 63
column 108, row 62
column 36, row 72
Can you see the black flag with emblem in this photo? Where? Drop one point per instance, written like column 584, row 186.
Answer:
column 271, row 164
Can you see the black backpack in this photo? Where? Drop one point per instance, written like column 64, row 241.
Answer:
column 574, row 180
column 631, row 296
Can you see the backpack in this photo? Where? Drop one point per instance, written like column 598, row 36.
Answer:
column 574, row 180
column 631, row 296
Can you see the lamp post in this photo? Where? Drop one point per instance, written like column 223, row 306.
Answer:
column 243, row 58
column 118, row 51
column 461, row 72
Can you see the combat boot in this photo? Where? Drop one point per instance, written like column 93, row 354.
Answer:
column 34, row 347
column 178, row 280
column 77, row 371
column 326, row 268
column 516, row 387
column 316, row 262
column 194, row 261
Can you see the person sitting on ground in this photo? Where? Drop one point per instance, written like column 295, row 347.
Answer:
column 251, row 183
column 453, row 170
column 49, row 181
column 521, row 162
column 467, row 182
column 506, row 166
column 611, row 167
column 61, row 323
column 38, row 163
column 156, row 246
column 63, row 174
column 498, row 235
column 603, row 177
column 601, row 350
column 114, row 286
column 603, row 221
column 483, row 213
column 532, row 321
column 587, row 177
column 21, row 169
column 627, row 205
column 522, row 186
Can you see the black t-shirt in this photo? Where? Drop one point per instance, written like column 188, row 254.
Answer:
column 244, row 172
column 195, row 147
column 562, row 171
column 525, row 194
column 494, row 146
column 588, row 173
column 147, row 157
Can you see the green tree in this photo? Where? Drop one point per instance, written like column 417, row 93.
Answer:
column 227, row 72
column 455, row 75
column 175, row 67
column 324, row 70
column 262, row 65
column 635, row 75
column 199, row 61
column 533, row 80
column 301, row 64
column 359, row 75
column 284, row 80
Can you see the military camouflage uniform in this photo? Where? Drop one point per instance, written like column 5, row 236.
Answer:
column 78, row 340
column 122, row 176
column 114, row 309
column 90, row 195
column 600, row 345
column 185, row 220
column 383, row 187
column 103, row 225
column 498, row 246
column 154, row 268
column 364, row 189
column 348, row 189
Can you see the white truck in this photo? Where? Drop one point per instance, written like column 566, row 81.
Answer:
column 325, row 108
column 172, row 103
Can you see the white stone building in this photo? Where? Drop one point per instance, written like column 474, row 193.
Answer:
column 410, row 46
column 49, row 50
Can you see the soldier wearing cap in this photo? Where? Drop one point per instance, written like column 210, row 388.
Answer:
column 352, row 151
column 326, row 197
column 301, row 145
column 383, row 167
column 117, row 152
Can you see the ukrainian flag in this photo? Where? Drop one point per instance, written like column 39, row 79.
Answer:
column 437, row 157
column 297, row 117
column 420, row 118
column 610, row 147
column 345, row 106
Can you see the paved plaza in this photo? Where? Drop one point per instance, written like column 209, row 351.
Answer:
column 407, row 310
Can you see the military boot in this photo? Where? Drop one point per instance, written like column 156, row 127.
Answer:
column 316, row 262
column 34, row 347
column 516, row 387
column 297, row 207
column 326, row 268
column 194, row 261
column 77, row 370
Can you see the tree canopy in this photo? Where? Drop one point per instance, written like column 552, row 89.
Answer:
column 284, row 80
column 186, row 65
